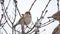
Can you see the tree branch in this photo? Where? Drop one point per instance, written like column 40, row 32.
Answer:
column 32, row 5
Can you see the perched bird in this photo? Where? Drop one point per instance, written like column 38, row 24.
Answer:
column 25, row 19
column 56, row 30
column 56, row 16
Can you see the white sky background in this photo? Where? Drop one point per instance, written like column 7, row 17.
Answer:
column 24, row 6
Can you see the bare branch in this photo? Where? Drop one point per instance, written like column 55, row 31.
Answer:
column 15, row 13
column 32, row 5
column 5, row 30
column 58, row 4
column 6, row 12
column 14, row 16
column 1, row 19
column 31, row 28
column 47, row 23
column 45, row 8
column 45, row 12
column 18, row 11
column 17, row 7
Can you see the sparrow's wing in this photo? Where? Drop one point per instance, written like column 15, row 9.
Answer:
column 27, row 19
column 19, row 22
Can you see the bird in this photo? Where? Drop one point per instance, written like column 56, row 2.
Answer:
column 25, row 19
column 56, row 16
column 56, row 30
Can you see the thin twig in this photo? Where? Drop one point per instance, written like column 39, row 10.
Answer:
column 5, row 17
column 45, row 24
column 41, row 18
column 31, row 28
column 47, row 5
column 14, row 16
column 58, row 4
column 45, row 12
column 3, row 25
column 5, row 31
column 9, row 26
column 6, row 12
column 32, row 5
column 45, row 8
column 18, row 11
column 1, row 19
column 17, row 7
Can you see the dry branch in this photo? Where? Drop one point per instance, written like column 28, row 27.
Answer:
column 32, row 5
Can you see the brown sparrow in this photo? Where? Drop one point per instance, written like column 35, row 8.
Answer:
column 56, row 16
column 25, row 19
column 56, row 30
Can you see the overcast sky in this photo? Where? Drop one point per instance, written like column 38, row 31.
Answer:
column 24, row 6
